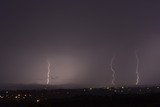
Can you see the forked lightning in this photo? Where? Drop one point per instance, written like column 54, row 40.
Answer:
column 113, row 71
column 48, row 73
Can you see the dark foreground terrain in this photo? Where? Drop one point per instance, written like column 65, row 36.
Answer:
column 106, row 97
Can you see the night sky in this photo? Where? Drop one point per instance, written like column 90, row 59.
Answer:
column 79, row 39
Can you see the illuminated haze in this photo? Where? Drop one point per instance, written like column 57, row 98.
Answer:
column 79, row 38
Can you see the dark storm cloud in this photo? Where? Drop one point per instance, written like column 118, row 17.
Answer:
column 79, row 38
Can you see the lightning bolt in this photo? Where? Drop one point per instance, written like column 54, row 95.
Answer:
column 48, row 73
column 137, row 67
column 113, row 71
